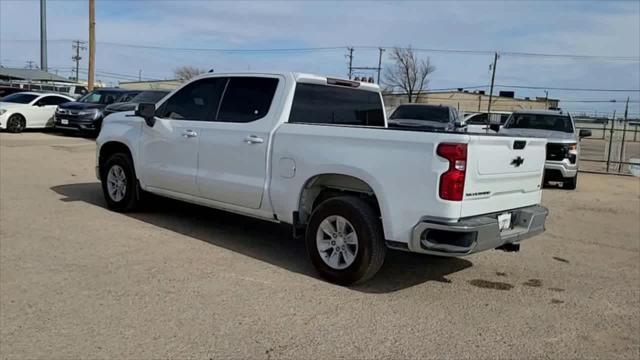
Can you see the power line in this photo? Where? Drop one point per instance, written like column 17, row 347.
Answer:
column 567, row 88
column 335, row 48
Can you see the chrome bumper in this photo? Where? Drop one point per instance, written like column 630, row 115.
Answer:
column 475, row 234
column 564, row 167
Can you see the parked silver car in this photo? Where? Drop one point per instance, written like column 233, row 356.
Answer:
column 563, row 146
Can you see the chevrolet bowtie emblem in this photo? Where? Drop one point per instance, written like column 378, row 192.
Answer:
column 517, row 161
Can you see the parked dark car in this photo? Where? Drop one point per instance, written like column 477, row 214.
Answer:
column 87, row 113
column 8, row 90
column 427, row 117
column 148, row 96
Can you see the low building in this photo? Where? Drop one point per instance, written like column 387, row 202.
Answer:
column 478, row 101
column 35, row 75
column 151, row 84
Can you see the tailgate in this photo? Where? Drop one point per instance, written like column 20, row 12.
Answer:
column 502, row 173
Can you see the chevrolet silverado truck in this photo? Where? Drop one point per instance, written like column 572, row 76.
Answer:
column 563, row 141
column 316, row 153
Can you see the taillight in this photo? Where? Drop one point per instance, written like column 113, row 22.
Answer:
column 452, row 181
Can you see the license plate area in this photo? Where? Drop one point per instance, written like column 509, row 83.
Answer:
column 504, row 221
column 64, row 121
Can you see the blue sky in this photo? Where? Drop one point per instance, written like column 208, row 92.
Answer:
column 610, row 28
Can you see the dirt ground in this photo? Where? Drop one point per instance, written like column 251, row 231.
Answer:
column 183, row 281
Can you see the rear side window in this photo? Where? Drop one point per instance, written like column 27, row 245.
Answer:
column 247, row 99
column 196, row 101
column 479, row 119
column 52, row 100
column 322, row 104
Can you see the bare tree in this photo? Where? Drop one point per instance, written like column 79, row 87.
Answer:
column 408, row 74
column 187, row 72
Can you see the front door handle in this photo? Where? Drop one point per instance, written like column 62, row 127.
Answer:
column 189, row 133
column 252, row 139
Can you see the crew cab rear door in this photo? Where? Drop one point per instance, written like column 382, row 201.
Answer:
column 502, row 173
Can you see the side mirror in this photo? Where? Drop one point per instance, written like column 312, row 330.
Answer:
column 39, row 104
column 147, row 111
column 584, row 133
column 495, row 127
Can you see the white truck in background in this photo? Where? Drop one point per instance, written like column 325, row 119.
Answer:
column 316, row 153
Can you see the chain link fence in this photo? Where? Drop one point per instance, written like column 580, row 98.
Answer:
column 614, row 146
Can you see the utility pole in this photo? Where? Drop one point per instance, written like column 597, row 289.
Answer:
column 624, row 132
column 77, row 46
column 493, row 77
column 140, row 75
column 30, row 64
column 381, row 50
column 43, row 35
column 350, row 61
column 92, row 43
column 546, row 99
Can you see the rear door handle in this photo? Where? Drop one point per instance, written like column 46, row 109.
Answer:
column 189, row 133
column 252, row 139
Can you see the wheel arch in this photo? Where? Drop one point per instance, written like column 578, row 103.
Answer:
column 327, row 185
column 111, row 147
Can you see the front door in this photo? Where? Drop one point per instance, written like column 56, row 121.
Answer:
column 41, row 114
column 169, row 149
column 233, row 147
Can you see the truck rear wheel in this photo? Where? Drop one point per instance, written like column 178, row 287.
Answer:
column 345, row 241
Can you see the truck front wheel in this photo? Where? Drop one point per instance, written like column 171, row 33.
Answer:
column 119, row 183
column 345, row 241
column 570, row 183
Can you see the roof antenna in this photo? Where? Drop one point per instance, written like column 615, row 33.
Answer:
column 210, row 70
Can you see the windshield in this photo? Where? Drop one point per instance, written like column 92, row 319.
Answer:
column 149, row 97
column 417, row 112
column 540, row 122
column 100, row 97
column 19, row 98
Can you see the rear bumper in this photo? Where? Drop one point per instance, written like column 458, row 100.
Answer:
column 475, row 234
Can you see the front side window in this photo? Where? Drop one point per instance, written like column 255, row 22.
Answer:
column 540, row 122
column 247, row 99
column 19, row 98
column 196, row 101
column 323, row 104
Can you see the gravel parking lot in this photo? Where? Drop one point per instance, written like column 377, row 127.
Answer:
column 177, row 280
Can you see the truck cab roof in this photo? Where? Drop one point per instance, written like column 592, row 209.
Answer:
column 302, row 78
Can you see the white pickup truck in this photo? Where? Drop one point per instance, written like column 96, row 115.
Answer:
column 316, row 153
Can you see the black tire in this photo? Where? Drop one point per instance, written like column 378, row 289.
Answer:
column 16, row 123
column 130, row 201
column 570, row 183
column 371, row 246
